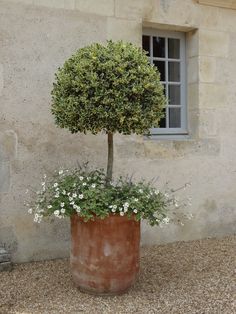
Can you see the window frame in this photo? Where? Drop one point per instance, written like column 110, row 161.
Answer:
column 183, row 130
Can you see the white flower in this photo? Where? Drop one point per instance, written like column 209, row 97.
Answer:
column 136, row 200
column 63, row 210
column 49, row 206
column 72, row 203
column 157, row 192
column 140, row 191
column 37, row 218
column 60, row 172
column 113, row 210
column 56, row 195
column 81, row 178
column 63, row 192
column 68, row 193
column 135, row 211
column 55, row 185
column 44, row 176
column 122, row 213
column 43, row 183
column 56, row 189
column 84, row 184
column 56, row 213
column 166, row 220
column 70, row 199
column 126, row 204
column 81, row 196
column 93, row 185
column 77, row 208
column 62, row 204
column 30, row 210
column 74, row 195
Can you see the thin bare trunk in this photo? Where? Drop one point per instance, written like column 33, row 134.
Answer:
column 110, row 157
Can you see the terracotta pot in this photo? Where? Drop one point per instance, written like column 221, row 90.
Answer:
column 105, row 254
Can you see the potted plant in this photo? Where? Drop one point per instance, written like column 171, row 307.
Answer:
column 108, row 88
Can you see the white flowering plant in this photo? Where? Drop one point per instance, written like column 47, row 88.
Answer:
column 87, row 194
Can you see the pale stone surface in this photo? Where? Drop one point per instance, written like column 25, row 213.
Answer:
column 193, row 70
column 105, row 7
column 192, row 40
column 50, row 3
column 1, row 79
column 69, row 4
column 229, row 4
column 207, row 69
column 129, row 9
column 212, row 43
column 22, row 1
column 4, row 176
column 208, row 124
column 128, row 30
column 8, row 145
column 193, row 96
column 213, row 95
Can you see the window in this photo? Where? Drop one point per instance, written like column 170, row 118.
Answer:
column 166, row 51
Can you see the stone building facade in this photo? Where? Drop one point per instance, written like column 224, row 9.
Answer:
column 36, row 36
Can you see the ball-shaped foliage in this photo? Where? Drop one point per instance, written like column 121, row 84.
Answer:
column 108, row 87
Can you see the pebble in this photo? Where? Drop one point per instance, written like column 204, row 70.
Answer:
column 179, row 278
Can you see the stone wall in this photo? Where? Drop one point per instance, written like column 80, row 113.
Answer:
column 36, row 36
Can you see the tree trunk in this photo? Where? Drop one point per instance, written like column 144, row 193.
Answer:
column 110, row 157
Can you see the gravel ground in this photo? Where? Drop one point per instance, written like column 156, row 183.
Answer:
column 183, row 277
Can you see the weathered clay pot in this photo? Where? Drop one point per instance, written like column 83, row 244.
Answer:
column 105, row 254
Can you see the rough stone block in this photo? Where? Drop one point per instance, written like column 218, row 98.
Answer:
column 207, row 69
column 8, row 145
column 129, row 9
column 128, row 30
column 192, row 39
column 23, row 1
column 193, row 96
column 212, row 43
column 213, row 95
column 101, row 7
column 6, row 266
column 193, row 70
column 209, row 124
column 4, row 177
column 69, row 4
column 50, row 3
column 1, row 79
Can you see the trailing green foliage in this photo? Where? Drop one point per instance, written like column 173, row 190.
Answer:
column 111, row 88
column 85, row 193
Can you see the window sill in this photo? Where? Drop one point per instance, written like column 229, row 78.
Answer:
column 168, row 137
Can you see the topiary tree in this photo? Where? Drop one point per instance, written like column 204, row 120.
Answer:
column 111, row 88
